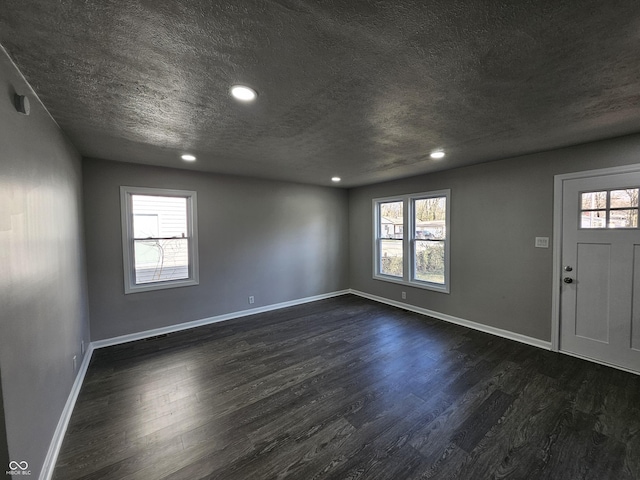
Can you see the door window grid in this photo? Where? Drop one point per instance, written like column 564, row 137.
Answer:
column 616, row 208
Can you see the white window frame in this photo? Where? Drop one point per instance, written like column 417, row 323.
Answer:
column 408, row 241
column 126, row 211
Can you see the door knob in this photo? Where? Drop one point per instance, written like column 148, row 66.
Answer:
column 568, row 268
column 568, row 280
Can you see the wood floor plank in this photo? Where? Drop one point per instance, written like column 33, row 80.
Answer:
column 354, row 454
column 346, row 388
column 519, row 445
column 469, row 434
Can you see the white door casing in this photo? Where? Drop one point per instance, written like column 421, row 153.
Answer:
column 597, row 315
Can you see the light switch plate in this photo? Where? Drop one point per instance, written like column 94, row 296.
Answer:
column 542, row 242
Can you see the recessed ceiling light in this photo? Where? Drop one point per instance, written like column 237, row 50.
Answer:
column 243, row 93
column 437, row 154
column 188, row 158
column 335, row 179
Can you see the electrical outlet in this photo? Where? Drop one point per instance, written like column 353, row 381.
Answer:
column 75, row 363
column 251, row 300
column 404, row 295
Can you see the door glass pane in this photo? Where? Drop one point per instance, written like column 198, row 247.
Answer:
column 391, row 257
column 624, row 198
column 623, row 218
column 595, row 219
column 158, row 260
column 621, row 208
column 430, row 218
column 594, row 200
column 429, row 266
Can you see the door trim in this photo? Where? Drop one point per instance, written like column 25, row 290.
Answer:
column 558, row 186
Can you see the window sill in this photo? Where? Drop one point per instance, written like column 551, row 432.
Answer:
column 148, row 287
column 435, row 287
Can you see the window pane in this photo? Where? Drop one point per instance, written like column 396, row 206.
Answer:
column 157, row 258
column 430, row 218
column 597, row 219
column 391, row 220
column 170, row 212
column 429, row 266
column 391, row 257
column 161, row 260
column 145, row 226
column 624, row 198
column 594, row 200
column 623, row 219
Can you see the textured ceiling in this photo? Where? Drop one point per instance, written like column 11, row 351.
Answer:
column 360, row 89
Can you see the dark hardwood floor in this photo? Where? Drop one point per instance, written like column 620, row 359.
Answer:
column 347, row 388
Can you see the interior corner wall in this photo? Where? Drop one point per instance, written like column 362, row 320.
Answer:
column 43, row 302
column 498, row 277
column 276, row 241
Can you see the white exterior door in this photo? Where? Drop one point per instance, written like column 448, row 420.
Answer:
column 600, row 287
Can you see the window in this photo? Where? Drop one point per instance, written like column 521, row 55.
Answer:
column 159, row 238
column 417, row 255
column 391, row 241
column 609, row 209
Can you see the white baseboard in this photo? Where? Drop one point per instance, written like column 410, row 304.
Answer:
column 207, row 321
column 535, row 342
column 58, row 436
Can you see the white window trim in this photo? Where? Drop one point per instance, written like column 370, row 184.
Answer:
column 127, row 238
column 408, row 243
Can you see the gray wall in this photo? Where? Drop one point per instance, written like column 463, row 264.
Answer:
column 498, row 278
column 43, row 307
column 4, row 446
column 276, row 241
